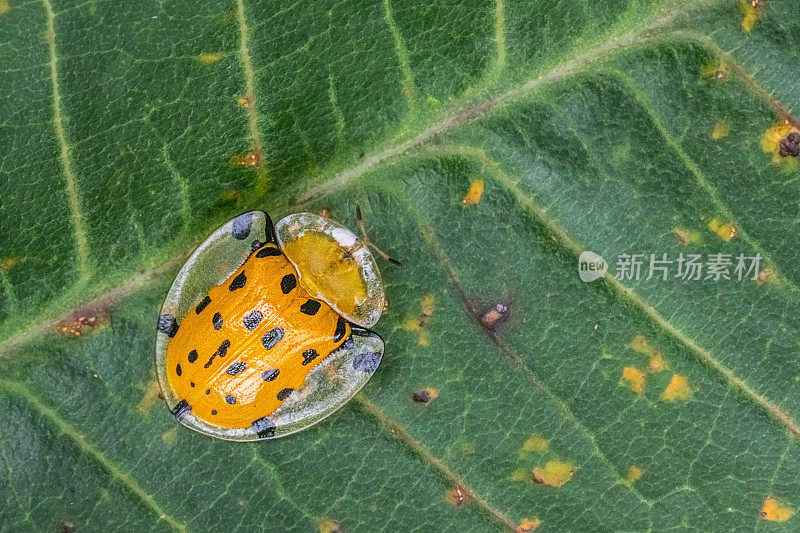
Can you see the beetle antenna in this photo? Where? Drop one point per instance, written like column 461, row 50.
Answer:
column 369, row 243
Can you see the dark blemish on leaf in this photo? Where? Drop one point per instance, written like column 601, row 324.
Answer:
column 68, row 527
column 85, row 319
column 288, row 283
column 494, row 316
column 241, row 226
column 269, row 251
column 310, row 307
column 252, row 319
column 425, row 395
column 236, row 367
column 272, row 337
column 284, row 393
column 238, row 282
column 168, row 325
column 457, row 496
column 202, row 305
column 790, row 145
column 309, row 355
column 216, row 320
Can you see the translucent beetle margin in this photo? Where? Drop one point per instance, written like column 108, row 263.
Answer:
column 331, row 383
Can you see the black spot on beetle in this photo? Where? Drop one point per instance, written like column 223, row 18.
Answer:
column 213, row 411
column 284, row 393
column 288, row 283
column 264, row 428
column 272, row 337
column 236, row 367
column 208, row 391
column 230, row 399
column 217, row 321
column 178, row 369
column 310, row 307
column 238, row 282
column 222, row 351
column 241, row 226
column 191, row 384
column 252, row 319
column 181, row 409
column 270, row 375
column 309, row 355
column 168, row 325
column 367, row 361
column 341, row 328
column 202, row 305
column 268, row 251
column 193, row 356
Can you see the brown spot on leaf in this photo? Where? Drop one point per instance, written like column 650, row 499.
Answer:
column 724, row 230
column 685, row 236
column 251, row 158
column 209, row 58
column 457, row 496
column 245, row 102
column 752, row 10
column 67, row 527
column 4, row 6
column 721, row 129
column 634, row 379
column 790, row 145
column 425, row 395
column 170, row 436
column 534, row 444
column 494, row 316
column 83, row 321
column 419, row 324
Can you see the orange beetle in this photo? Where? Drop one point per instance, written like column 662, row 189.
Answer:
column 263, row 332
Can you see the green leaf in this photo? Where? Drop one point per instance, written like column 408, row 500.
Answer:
column 129, row 132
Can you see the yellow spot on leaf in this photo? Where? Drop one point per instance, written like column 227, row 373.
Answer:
column 457, row 496
column 169, row 437
column 751, row 12
column 535, row 443
column 8, row 263
column 716, row 70
column 245, row 102
column 721, row 129
column 775, row 511
column 520, row 474
column 726, row 231
column 657, row 363
column 685, row 236
column 633, row 474
column 555, row 473
column 4, row 7
column 474, row 194
column 152, row 393
column 419, row 324
column 677, row 390
column 432, row 101
column 771, row 141
column 209, row 58
column 527, row 525
column 247, row 159
column 329, row 525
column 634, row 378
